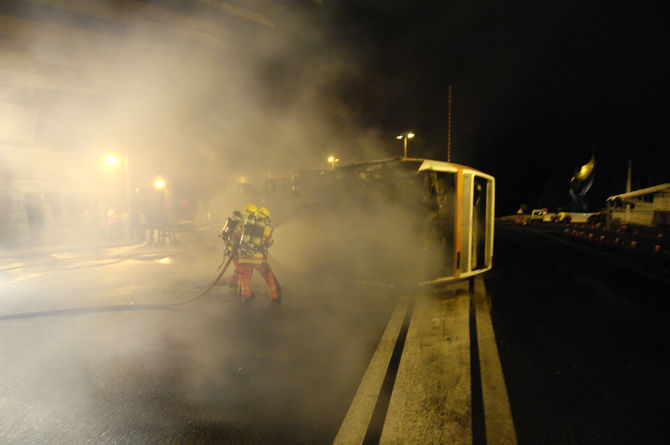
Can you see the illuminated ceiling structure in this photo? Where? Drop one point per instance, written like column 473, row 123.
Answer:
column 86, row 75
column 47, row 44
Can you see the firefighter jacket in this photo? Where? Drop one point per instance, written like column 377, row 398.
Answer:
column 256, row 238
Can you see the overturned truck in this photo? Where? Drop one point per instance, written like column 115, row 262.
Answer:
column 398, row 221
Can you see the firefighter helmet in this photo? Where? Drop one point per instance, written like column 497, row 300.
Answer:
column 237, row 215
column 264, row 212
column 250, row 209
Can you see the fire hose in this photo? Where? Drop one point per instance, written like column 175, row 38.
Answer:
column 110, row 308
column 204, row 292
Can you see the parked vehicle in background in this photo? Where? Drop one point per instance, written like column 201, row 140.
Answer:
column 536, row 216
column 562, row 217
column 572, row 217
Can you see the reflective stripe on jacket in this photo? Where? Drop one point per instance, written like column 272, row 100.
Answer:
column 255, row 241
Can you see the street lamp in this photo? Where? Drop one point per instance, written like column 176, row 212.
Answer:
column 112, row 160
column 332, row 160
column 404, row 137
column 161, row 186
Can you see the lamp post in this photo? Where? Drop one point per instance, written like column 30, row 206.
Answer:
column 163, row 212
column 112, row 160
column 406, row 135
column 332, row 160
column 161, row 186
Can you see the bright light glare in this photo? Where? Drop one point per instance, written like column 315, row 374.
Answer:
column 166, row 260
column 410, row 135
column 399, row 137
column 159, row 184
column 111, row 160
column 331, row 159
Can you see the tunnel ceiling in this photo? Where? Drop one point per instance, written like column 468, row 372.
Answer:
column 77, row 45
column 176, row 85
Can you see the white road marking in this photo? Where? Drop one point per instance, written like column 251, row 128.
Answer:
column 355, row 424
column 431, row 398
column 25, row 277
column 497, row 413
column 430, row 402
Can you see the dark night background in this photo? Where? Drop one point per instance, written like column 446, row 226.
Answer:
column 537, row 87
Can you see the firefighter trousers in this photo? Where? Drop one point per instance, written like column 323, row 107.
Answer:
column 235, row 276
column 246, row 271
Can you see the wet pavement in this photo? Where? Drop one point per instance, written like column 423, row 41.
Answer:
column 582, row 338
column 578, row 332
column 211, row 371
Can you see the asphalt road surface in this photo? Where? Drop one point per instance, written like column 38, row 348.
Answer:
column 210, row 371
column 582, row 336
column 95, row 351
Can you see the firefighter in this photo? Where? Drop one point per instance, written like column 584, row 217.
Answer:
column 268, row 239
column 256, row 238
column 244, row 269
column 231, row 233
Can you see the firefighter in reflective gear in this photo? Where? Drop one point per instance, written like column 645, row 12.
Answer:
column 248, row 226
column 266, row 270
column 231, row 233
column 256, row 238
